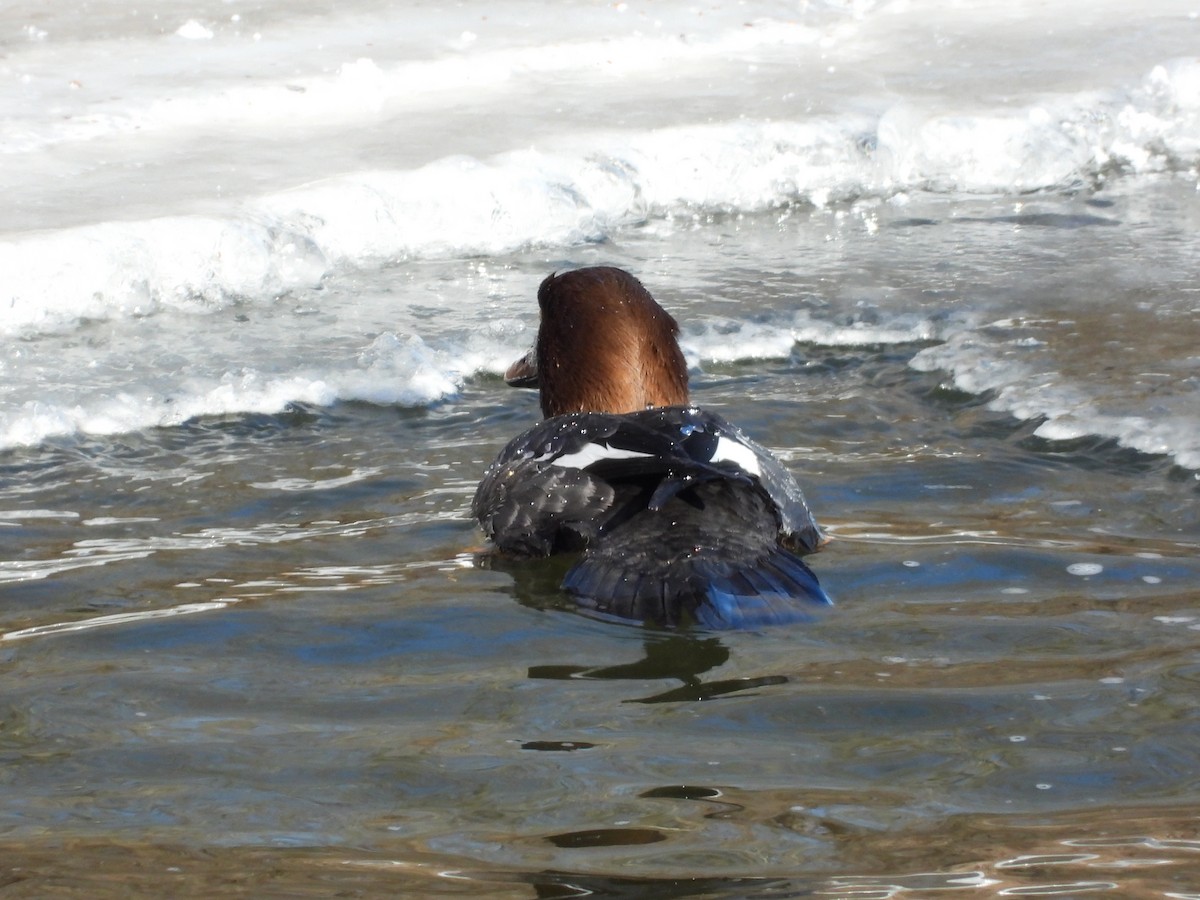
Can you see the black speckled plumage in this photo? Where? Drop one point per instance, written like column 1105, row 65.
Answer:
column 671, row 530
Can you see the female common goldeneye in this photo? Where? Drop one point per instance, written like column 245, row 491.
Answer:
column 679, row 517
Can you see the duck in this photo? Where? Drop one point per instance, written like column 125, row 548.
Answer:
column 679, row 519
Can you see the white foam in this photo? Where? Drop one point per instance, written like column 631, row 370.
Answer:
column 136, row 268
column 1173, row 436
column 194, row 31
column 585, row 188
column 460, row 205
column 1023, row 385
column 729, row 340
column 391, row 369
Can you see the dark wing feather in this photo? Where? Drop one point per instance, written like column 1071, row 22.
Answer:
column 680, row 516
column 532, row 503
column 530, row 508
column 675, row 447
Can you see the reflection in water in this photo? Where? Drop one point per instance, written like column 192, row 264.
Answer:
column 607, row 837
column 1140, row 853
column 718, row 809
column 556, row 885
column 681, row 657
column 685, row 792
column 557, row 746
column 182, row 609
column 1121, row 867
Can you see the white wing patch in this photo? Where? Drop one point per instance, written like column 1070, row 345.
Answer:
column 729, row 450
column 594, row 453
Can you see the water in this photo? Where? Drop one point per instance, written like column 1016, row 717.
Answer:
column 264, row 265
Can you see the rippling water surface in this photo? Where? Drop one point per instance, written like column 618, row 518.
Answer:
column 250, row 641
column 264, row 649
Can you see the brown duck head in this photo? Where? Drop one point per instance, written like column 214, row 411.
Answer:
column 604, row 345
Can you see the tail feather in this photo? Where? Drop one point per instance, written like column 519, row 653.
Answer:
column 778, row 589
column 714, row 593
column 710, row 556
column 609, row 582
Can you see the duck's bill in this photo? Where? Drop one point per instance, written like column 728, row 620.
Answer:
column 523, row 373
